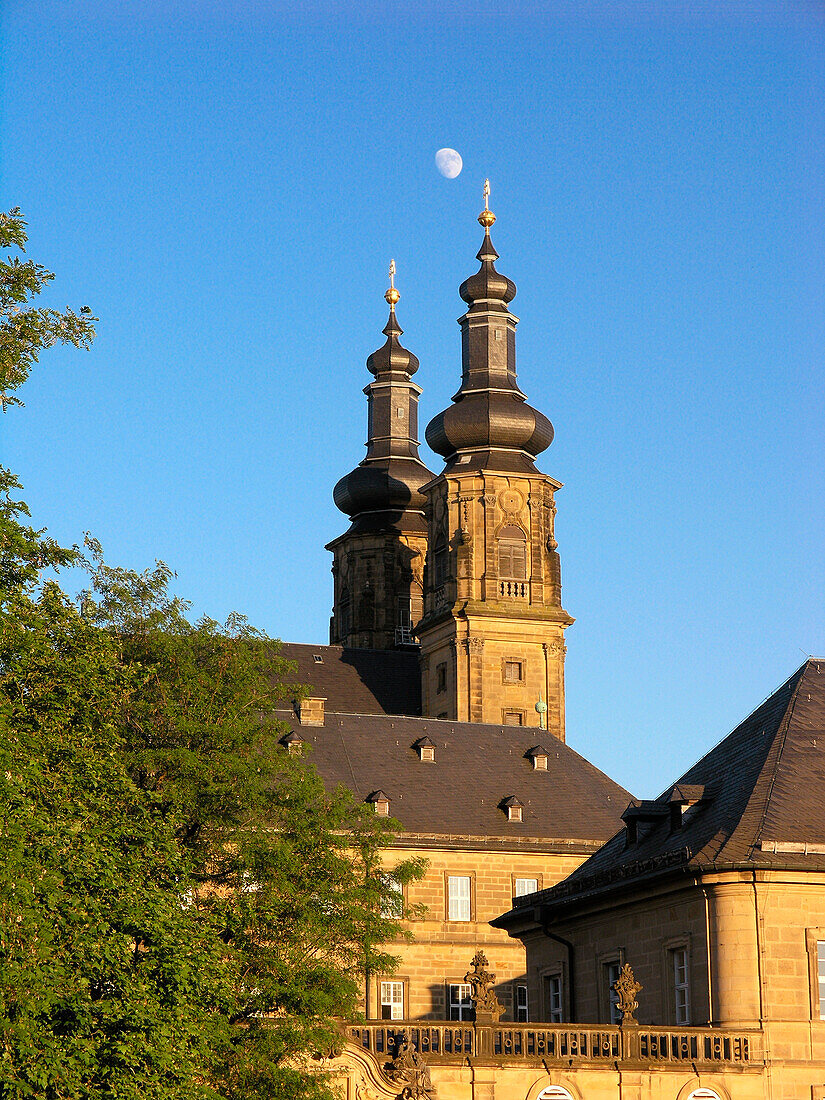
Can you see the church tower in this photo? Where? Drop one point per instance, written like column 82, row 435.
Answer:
column 378, row 564
column 492, row 634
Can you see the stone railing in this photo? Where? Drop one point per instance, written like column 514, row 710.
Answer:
column 568, row 1043
column 513, row 590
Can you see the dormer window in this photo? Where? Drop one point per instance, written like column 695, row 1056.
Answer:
column 513, row 808
column 380, row 803
column 538, row 757
column 293, row 744
column 426, row 750
column 317, row 658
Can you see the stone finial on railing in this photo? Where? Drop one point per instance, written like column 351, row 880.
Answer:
column 626, row 988
column 485, row 1002
column 409, row 1072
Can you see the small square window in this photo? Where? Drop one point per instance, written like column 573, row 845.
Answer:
column 513, row 717
column 524, row 886
column 513, row 672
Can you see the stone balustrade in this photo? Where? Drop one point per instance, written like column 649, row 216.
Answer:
column 454, row 1041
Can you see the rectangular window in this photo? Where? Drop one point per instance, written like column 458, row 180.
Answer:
column 404, row 613
column 820, row 970
column 512, row 717
column 521, row 1013
column 611, row 973
column 440, row 678
column 681, row 985
column 552, row 999
column 522, row 886
column 458, row 897
column 392, row 1000
column 393, row 906
column 513, row 672
column 461, row 1007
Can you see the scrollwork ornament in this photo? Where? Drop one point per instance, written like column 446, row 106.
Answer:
column 409, row 1072
column 481, row 982
column 626, row 988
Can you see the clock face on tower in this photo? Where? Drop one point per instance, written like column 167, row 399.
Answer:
column 511, row 500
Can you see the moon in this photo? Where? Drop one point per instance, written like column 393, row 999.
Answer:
column 449, row 163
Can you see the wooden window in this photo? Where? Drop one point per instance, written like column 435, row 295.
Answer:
column 344, row 614
column 553, row 1007
column 442, row 561
column 512, row 717
column 459, row 897
column 522, row 886
column 460, row 1006
column 520, row 1005
column 392, row 1000
column 441, row 677
column 512, row 671
column 681, row 984
column 512, row 553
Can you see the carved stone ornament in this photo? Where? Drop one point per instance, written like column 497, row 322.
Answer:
column 511, row 501
column 409, row 1072
column 626, row 988
column 475, row 646
column 481, row 982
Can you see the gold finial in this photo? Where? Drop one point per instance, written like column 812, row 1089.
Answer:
column 392, row 295
column 486, row 217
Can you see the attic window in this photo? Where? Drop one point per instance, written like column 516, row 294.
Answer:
column 426, row 750
column 293, row 744
column 538, row 757
column 380, row 803
column 513, row 808
column 317, row 658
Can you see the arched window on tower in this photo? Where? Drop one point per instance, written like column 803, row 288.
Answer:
column 512, row 560
column 344, row 615
column 442, row 561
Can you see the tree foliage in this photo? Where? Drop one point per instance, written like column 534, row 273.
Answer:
column 25, row 329
column 184, row 908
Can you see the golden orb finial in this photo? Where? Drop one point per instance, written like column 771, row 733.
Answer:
column 486, row 217
column 392, row 295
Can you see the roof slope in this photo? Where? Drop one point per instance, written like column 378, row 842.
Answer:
column 359, row 681
column 476, row 768
column 762, row 800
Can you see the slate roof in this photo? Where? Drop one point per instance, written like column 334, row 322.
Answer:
column 359, row 681
column 476, row 768
column 762, row 804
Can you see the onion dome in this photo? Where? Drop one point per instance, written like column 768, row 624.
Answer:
column 383, row 491
column 489, row 424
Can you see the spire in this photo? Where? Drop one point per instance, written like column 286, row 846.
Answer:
column 489, row 425
column 382, row 491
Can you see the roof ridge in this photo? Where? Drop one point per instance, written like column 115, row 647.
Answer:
column 782, row 731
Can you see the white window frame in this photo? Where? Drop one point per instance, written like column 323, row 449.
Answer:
column 393, row 909
column 459, row 897
column 554, row 1011
column 521, row 1010
column 391, row 997
column 459, row 1003
column 521, row 889
column 680, row 961
column 612, row 968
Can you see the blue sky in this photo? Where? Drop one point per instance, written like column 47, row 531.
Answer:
column 225, row 189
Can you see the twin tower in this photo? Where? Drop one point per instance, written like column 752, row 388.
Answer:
column 463, row 563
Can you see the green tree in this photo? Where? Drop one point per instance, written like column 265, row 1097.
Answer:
column 290, row 873
column 184, row 908
column 25, row 329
